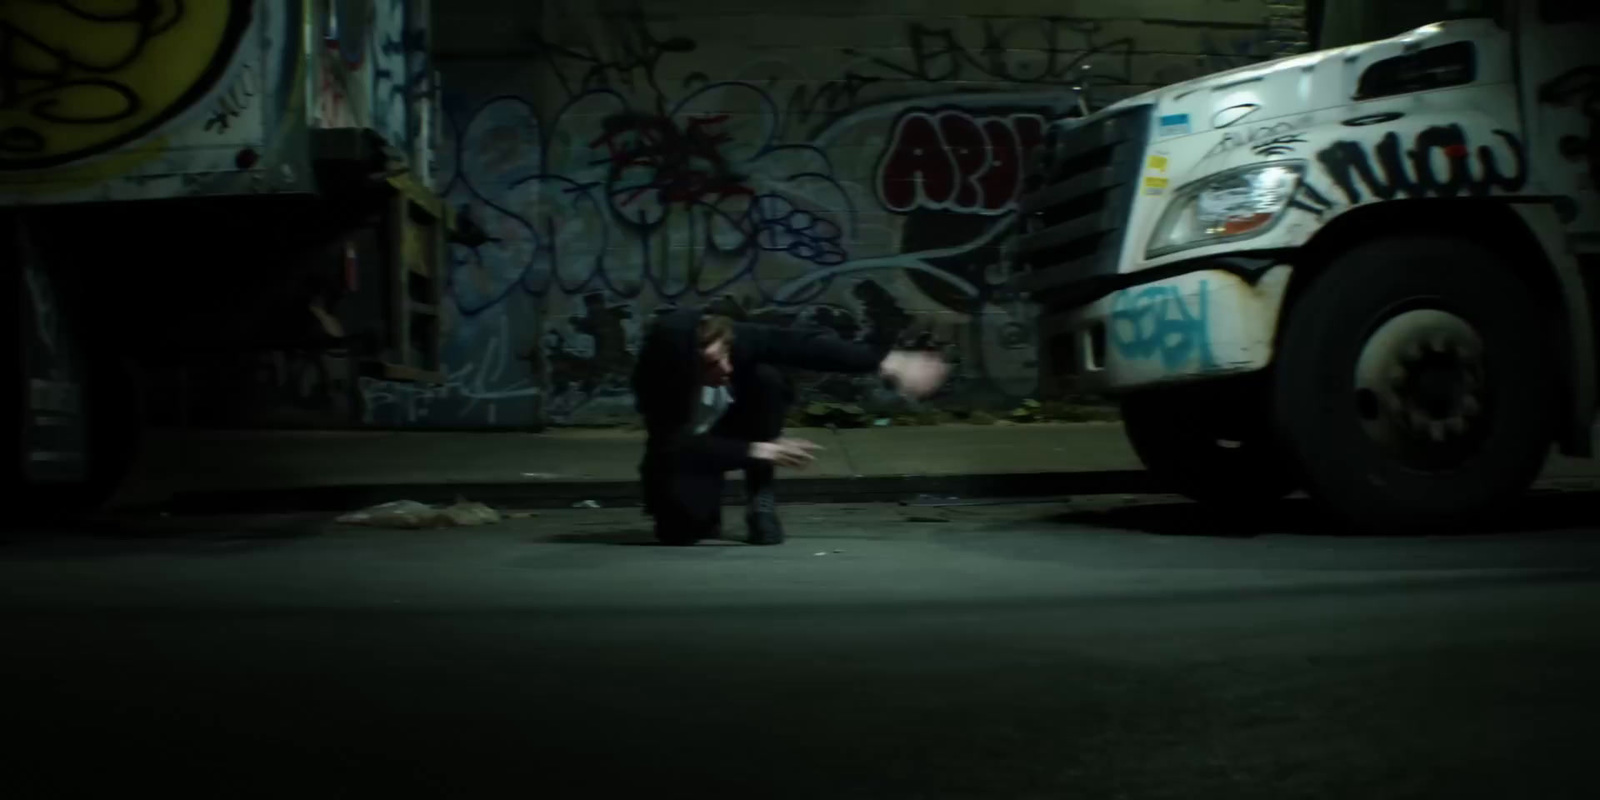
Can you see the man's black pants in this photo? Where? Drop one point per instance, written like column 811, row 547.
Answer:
column 686, row 498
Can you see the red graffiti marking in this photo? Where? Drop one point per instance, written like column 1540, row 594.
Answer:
column 674, row 165
column 332, row 102
column 955, row 161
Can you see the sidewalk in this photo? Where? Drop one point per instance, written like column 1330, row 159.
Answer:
column 341, row 470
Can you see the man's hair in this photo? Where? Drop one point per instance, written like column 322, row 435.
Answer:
column 715, row 328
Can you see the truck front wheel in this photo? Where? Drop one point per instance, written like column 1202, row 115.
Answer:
column 1414, row 385
column 1211, row 442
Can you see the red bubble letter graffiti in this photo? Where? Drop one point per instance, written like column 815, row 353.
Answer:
column 956, row 161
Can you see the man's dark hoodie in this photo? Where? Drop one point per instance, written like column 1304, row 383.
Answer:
column 666, row 383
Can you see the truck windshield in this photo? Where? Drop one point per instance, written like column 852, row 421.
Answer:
column 1345, row 22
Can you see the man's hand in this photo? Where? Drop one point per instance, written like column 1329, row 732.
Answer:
column 785, row 452
column 915, row 374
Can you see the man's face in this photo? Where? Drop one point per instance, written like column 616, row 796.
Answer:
column 716, row 366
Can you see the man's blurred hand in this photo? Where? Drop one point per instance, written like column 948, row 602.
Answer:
column 916, row 374
column 785, row 452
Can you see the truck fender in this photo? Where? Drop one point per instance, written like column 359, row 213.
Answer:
column 1543, row 222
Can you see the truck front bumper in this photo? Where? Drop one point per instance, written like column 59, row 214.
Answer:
column 1204, row 324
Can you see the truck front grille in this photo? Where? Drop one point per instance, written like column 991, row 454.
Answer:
column 1075, row 204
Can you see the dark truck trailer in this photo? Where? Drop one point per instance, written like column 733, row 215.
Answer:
column 245, row 192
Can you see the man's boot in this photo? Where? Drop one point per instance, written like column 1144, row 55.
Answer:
column 761, row 513
column 680, row 531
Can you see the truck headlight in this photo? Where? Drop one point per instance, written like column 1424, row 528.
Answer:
column 1237, row 204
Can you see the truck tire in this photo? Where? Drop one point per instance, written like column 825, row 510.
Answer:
column 1210, row 442
column 1414, row 388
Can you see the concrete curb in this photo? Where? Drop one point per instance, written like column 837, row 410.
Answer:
column 614, row 494
column 534, row 495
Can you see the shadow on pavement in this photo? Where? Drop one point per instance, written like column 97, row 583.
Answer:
column 641, row 537
column 530, row 494
column 1539, row 511
column 143, row 535
column 621, row 538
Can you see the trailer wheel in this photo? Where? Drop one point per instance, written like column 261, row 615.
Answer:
column 1414, row 386
column 1209, row 442
column 72, row 415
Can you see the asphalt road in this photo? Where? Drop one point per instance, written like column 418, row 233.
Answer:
column 1108, row 649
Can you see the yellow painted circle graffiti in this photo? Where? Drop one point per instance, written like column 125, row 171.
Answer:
column 80, row 77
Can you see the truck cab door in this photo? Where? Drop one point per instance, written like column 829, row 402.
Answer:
column 1559, row 53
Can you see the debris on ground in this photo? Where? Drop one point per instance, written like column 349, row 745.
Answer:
column 822, row 414
column 410, row 514
column 586, row 504
column 914, row 514
column 932, row 500
column 1033, row 411
column 1030, row 411
column 954, row 501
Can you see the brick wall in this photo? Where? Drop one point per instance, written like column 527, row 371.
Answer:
column 845, row 163
column 1287, row 27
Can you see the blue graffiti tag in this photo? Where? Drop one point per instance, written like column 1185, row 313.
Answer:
column 572, row 211
column 1155, row 322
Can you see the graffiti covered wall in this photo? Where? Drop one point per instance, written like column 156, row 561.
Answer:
column 850, row 169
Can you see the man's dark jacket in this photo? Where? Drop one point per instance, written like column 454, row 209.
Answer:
column 666, row 381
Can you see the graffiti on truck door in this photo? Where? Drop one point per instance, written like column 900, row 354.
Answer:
column 1471, row 168
column 1579, row 87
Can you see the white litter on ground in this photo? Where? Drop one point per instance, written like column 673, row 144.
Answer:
column 414, row 515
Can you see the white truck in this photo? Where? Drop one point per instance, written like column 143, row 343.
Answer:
column 1368, row 272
